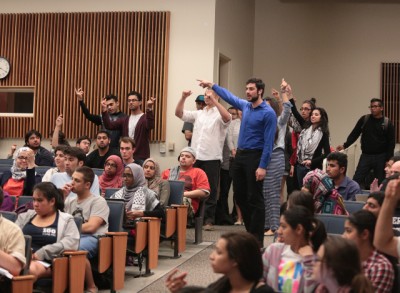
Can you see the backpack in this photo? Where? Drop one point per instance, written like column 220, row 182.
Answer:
column 384, row 124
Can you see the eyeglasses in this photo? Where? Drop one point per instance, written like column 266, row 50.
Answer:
column 132, row 100
column 110, row 165
column 305, row 109
column 22, row 158
column 374, row 106
column 127, row 175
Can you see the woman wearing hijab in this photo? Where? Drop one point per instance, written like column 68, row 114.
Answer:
column 139, row 200
column 160, row 186
column 21, row 178
column 326, row 198
column 112, row 175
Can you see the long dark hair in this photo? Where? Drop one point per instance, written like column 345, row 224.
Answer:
column 324, row 120
column 244, row 249
column 50, row 191
column 342, row 257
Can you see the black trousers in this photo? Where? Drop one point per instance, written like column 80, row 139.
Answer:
column 368, row 163
column 211, row 168
column 248, row 191
column 222, row 216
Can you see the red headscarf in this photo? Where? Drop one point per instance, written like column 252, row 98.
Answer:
column 115, row 181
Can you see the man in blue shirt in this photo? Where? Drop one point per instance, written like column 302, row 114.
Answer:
column 336, row 168
column 256, row 139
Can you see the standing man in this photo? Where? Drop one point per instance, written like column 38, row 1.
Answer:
column 256, row 140
column 43, row 157
column 336, row 168
column 127, row 149
column 209, row 132
column 187, row 128
column 98, row 157
column 377, row 143
column 112, row 104
column 137, row 125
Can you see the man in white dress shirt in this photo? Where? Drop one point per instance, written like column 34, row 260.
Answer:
column 209, row 132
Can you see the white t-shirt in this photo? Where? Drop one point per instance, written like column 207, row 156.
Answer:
column 133, row 120
column 60, row 179
column 290, row 271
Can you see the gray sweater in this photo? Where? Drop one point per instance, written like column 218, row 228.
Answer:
column 67, row 235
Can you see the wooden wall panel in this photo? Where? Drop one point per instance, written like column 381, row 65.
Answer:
column 390, row 90
column 104, row 53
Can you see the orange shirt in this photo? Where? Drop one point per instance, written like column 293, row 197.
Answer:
column 14, row 187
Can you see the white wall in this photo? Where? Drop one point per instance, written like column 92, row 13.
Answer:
column 234, row 38
column 328, row 50
column 191, row 51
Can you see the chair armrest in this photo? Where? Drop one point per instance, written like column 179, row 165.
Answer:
column 22, row 284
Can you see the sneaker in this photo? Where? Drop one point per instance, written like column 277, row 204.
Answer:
column 239, row 223
column 208, row 227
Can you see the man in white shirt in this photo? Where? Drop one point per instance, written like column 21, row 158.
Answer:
column 74, row 158
column 209, row 132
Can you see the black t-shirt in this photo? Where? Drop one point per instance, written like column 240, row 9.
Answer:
column 41, row 236
column 94, row 160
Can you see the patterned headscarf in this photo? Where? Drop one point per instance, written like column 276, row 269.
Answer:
column 138, row 181
column 326, row 198
column 115, row 181
column 154, row 182
column 18, row 173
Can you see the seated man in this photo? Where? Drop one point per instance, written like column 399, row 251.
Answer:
column 74, row 158
column 196, row 182
column 336, row 169
column 94, row 212
column 42, row 156
column 84, row 142
column 127, row 149
column 12, row 248
column 98, row 157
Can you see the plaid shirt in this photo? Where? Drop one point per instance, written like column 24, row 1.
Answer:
column 379, row 271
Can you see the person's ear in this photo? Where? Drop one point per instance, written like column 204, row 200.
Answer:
column 80, row 163
column 342, row 170
column 364, row 234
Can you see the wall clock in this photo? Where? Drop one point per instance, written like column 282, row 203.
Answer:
column 4, row 67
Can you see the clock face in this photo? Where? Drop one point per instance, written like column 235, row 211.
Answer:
column 4, row 67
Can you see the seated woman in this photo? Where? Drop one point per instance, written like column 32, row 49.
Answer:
column 337, row 268
column 326, row 198
column 59, row 160
column 160, row 186
column 139, row 200
column 360, row 228
column 237, row 256
column 112, row 175
column 52, row 230
column 21, row 178
column 288, row 265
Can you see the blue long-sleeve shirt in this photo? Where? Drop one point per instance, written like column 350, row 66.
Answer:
column 258, row 127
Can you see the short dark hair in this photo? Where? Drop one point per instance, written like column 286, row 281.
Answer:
column 301, row 198
column 395, row 159
column 60, row 147
column 127, row 139
column 111, row 97
column 341, row 158
column 376, row 100
column 83, row 137
column 75, row 152
column 50, row 191
column 260, row 85
column 379, row 196
column 103, row 131
column 30, row 133
column 88, row 174
column 363, row 220
column 135, row 93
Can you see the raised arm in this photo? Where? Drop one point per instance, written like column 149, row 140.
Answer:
column 108, row 124
column 181, row 103
column 225, row 115
column 384, row 239
column 96, row 119
column 57, row 129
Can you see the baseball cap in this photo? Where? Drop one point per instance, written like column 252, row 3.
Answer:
column 200, row 98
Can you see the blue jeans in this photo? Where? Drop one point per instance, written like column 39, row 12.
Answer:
column 90, row 244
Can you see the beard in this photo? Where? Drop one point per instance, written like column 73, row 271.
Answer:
column 253, row 99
